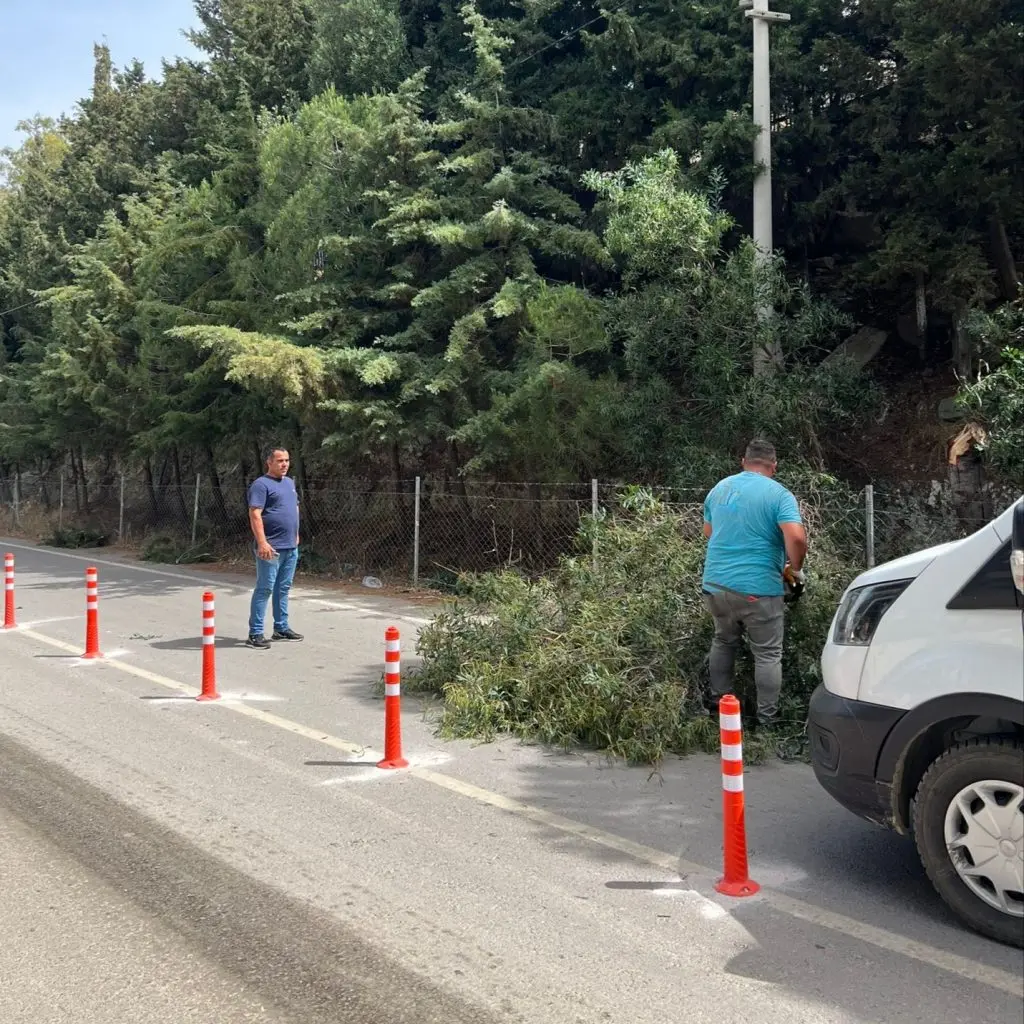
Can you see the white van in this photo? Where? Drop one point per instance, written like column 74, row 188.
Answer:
column 918, row 724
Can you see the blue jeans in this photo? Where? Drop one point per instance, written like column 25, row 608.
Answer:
column 273, row 579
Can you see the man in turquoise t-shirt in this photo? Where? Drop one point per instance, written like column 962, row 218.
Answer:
column 754, row 529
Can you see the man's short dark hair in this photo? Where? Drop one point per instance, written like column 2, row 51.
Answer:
column 268, row 452
column 762, row 452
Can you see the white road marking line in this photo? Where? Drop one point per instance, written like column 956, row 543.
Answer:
column 348, row 606
column 37, row 622
column 953, row 963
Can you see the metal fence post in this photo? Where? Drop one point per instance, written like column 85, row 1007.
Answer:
column 120, row 513
column 17, row 499
column 869, row 524
column 593, row 512
column 195, row 513
column 416, row 536
column 60, row 503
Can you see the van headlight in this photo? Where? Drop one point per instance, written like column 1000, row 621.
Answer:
column 862, row 609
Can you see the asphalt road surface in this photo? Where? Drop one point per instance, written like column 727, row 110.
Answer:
column 169, row 861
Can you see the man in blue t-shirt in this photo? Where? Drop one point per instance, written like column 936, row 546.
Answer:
column 754, row 535
column 274, row 519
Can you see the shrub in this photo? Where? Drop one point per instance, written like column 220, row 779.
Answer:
column 68, row 537
column 609, row 654
column 170, row 550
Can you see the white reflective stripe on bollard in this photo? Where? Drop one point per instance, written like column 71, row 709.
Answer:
column 731, row 721
column 732, row 783
column 732, row 751
column 392, row 689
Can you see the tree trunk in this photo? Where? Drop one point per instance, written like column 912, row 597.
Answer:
column 921, row 314
column 147, row 475
column 44, row 491
column 74, row 480
column 962, row 348
column 403, row 504
column 179, row 494
column 970, row 495
column 309, row 518
column 243, row 467
column 85, row 479
column 107, row 475
column 219, row 505
column 1002, row 256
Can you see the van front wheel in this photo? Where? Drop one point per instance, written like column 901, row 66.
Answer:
column 969, row 829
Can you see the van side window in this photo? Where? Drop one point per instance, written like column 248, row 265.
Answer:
column 990, row 587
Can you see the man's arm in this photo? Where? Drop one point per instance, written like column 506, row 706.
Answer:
column 707, row 530
column 795, row 537
column 793, row 533
column 263, row 549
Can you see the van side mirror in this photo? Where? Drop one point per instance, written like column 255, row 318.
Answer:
column 1017, row 547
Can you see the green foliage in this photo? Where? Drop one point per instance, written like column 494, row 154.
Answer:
column 507, row 241
column 608, row 655
column 76, row 538
column 658, row 228
column 997, row 395
column 171, row 550
column 359, row 46
column 687, row 336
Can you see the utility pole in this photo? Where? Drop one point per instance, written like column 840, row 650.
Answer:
column 767, row 357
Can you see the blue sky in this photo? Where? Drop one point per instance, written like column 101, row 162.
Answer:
column 47, row 53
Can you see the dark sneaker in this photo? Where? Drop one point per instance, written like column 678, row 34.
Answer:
column 286, row 634
column 258, row 643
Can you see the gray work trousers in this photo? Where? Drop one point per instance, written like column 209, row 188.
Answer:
column 763, row 619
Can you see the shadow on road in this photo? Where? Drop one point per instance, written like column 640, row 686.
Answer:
column 195, row 643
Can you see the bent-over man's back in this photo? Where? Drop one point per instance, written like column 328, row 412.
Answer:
column 746, row 551
column 753, row 528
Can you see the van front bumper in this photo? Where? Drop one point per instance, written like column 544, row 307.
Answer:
column 846, row 738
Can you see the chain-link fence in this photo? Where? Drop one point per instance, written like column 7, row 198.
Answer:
column 425, row 531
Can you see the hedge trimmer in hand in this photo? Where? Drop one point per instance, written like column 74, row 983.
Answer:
column 794, row 581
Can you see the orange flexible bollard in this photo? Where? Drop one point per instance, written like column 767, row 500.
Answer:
column 9, row 619
column 92, row 614
column 209, row 647
column 736, row 881
column 392, row 702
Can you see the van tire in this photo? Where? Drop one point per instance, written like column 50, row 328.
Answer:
column 958, row 767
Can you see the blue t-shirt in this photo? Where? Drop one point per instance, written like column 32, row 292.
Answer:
column 746, row 552
column 280, row 504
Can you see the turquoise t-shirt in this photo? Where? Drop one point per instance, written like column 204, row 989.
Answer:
column 746, row 552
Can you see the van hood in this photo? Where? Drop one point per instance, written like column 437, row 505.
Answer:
column 906, row 568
